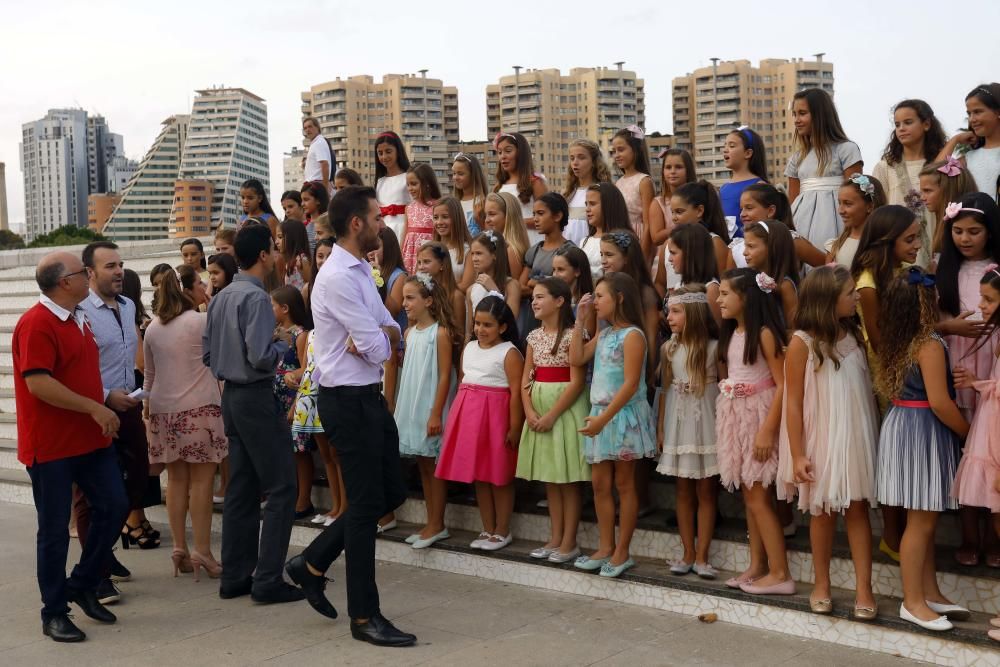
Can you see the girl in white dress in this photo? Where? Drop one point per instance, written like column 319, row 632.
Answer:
column 391, row 165
column 586, row 167
column 516, row 175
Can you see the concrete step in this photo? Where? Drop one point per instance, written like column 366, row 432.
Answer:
column 8, row 426
column 15, row 486
column 17, row 298
column 141, row 265
column 8, row 455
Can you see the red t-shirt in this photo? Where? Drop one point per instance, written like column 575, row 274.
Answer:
column 44, row 343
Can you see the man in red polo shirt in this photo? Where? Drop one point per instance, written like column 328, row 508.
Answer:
column 63, row 437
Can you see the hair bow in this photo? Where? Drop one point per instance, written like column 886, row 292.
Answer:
column 952, row 210
column 425, row 280
column 864, row 184
column 918, row 277
column 636, row 131
column 992, row 268
column 765, row 283
column 951, row 168
column 491, row 235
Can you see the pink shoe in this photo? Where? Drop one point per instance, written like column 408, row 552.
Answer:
column 786, row 587
column 994, row 635
column 739, row 580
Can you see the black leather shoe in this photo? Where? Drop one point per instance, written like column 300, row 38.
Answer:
column 237, row 590
column 61, row 629
column 379, row 631
column 312, row 585
column 283, row 592
column 87, row 602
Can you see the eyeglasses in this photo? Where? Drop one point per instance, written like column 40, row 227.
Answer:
column 75, row 273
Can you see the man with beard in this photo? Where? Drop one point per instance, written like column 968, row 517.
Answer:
column 354, row 336
column 112, row 319
column 242, row 347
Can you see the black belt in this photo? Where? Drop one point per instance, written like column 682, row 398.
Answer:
column 362, row 390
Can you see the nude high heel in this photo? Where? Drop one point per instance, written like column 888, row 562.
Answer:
column 211, row 566
column 182, row 562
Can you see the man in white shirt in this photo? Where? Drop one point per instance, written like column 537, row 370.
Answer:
column 319, row 160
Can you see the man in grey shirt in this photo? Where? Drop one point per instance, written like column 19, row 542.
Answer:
column 242, row 347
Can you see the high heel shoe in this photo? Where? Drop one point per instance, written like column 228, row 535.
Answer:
column 136, row 535
column 182, row 562
column 212, row 567
column 148, row 529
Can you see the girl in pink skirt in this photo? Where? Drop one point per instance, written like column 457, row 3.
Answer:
column 484, row 425
column 748, row 414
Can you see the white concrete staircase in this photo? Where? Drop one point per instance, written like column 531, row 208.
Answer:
column 648, row 585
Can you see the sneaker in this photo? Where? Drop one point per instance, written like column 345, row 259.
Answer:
column 119, row 572
column 107, row 592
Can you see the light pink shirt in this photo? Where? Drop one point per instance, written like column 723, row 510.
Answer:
column 175, row 376
column 345, row 302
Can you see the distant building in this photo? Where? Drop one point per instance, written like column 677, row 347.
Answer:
column 4, row 220
column 353, row 111
column 144, row 210
column 552, row 109
column 192, row 212
column 103, row 146
column 54, row 164
column 709, row 102
column 120, row 172
column 657, row 143
column 99, row 209
column 226, row 144
column 294, row 174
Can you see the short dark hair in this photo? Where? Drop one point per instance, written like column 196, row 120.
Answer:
column 88, row 252
column 348, row 203
column 48, row 277
column 250, row 242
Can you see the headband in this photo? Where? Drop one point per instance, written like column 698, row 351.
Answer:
column 636, row 132
column 985, row 91
column 690, row 297
column 502, row 135
column 992, row 268
column 864, row 184
column 764, row 225
column 495, row 293
column 662, row 154
column 747, row 135
column 425, row 280
column 391, row 135
column 765, row 283
column 952, row 210
column 918, row 277
column 180, row 280
column 951, row 168
column 461, row 156
column 621, row 239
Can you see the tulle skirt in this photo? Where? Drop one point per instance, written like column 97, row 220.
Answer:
column 737, row 421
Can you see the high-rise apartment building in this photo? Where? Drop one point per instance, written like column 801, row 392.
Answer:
column 293, row 172
column 54, row 164
column 192, row 212
column 226, row 144
column 552, row 109
column 4, row 220
column 144, row 210
column 103, row 146
column 353, row 111
column 120, row 172
column 709, row 102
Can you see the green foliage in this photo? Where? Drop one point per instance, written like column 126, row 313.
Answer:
column 10, row 241
column 66, row 235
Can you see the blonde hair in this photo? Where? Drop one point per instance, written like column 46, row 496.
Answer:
column 699, row 328
column 459, row 237
column 514, row 230
column 324, row 222
column 599, row 172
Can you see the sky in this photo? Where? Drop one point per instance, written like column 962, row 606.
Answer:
column 136, row 63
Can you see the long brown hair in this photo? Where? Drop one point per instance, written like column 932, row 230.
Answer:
column 171, row 301
column 558, row 289
column 777, row 238
column 430, row 190
column 524, row 167
column 476, row 175
column 494, row 244
column 877, row 199
column 699, row 328
column 825, row 131
column 907, row 315
column 878, row 240
column 817, row 313
column 458, row 238
column 599, row 172
column 690, row 173
column 441, row 254
column 629, row 309
column 614, row 210
column 934, row 136
column 440, row 309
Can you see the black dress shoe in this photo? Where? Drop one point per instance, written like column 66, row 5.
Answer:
column 61, row 629
column 88, row 603
column 312, row 585
column 236, row 590
column 379, row 631
column 283, row 592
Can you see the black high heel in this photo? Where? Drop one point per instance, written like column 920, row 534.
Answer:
column 148, row 529
column 142, row 540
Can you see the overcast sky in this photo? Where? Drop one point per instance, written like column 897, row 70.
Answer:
column 137, row 64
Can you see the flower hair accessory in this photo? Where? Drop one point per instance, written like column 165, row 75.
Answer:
column 765, row 283
column 992, row 268
column 952, row 210
column 864, row 184
column 917, row 277
column 425, row 280
column 491, row 235
column 495, row 293
column 621, row 239
column 499, row 137
column 690, row 297
column 951, row 168
column 636, row 131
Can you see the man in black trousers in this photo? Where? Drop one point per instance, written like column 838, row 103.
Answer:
column 354, row 336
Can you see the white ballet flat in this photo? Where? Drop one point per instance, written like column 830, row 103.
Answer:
column 954, row 612
column 939, row 624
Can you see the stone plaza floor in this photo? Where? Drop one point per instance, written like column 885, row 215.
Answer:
column 458, row 620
